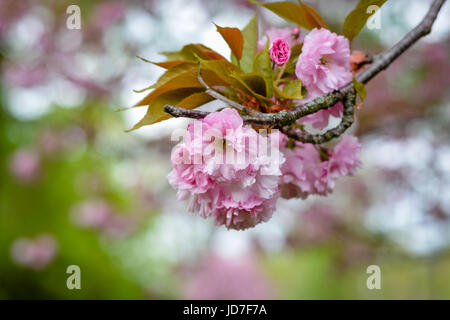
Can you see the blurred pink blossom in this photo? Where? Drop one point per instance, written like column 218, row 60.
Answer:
column 318, row 223
column 92, row 213
column 35, row 253
column 98, row 214
column 23, row 76
column 25, row 165
column 223, row 279
column 10, row 12
column 107, row 14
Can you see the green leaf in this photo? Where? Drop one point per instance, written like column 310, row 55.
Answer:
column 155, row 110
column 287, row 10
column 292, row 90
column 250, row 34
column 254, row 83
column 223, row 68
column 312, row 16
column 356, row 19
column 171, row 73
column 296, row 50
column 234, row 39
column 164, row 64
column 193, row 101
column 188, row 79
column 360, row 88
column 263, row 64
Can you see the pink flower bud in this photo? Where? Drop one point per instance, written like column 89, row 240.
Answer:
column 280, row 51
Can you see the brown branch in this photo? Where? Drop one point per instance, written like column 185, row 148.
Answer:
column 288, row 117
column 346, row 122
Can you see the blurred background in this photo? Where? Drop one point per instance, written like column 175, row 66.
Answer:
column 75, row 189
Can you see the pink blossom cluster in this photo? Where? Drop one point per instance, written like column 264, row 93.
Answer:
column 25, row 165
column 313, row 170
column 240, row 195
column 322, row 66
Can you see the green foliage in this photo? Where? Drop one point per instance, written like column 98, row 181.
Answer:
column 356, row 19
column 295, row 52
column 254, row 83
column 250, row 34
column 292, row 90
column 155, row 111
column 263, row 64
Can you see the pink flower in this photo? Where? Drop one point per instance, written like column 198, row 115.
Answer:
column 291, row 36
column 279, row 51
column 306, row 171
column 344, row 158
column 25, row 165
column 35, row 253
column 238, row 279
column 219, row 168
column 303, row 172
column 324, row 64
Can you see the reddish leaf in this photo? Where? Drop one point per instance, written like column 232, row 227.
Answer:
column 313, row 17
column 234, row 39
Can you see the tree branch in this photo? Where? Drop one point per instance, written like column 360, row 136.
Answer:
column 287, row 117
column 213, row 93
column 346, row 122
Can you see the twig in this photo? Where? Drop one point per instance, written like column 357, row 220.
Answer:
column 288, row 117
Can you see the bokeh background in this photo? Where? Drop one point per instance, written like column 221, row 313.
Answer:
column 75, row 189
